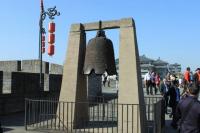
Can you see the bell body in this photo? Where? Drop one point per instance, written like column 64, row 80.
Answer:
column 100, row 55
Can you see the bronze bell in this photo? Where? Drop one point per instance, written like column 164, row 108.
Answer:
column 100, row 55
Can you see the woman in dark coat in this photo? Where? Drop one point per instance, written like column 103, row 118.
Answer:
column 174, row 94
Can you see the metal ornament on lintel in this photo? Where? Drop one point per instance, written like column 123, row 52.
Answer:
column 100, row 55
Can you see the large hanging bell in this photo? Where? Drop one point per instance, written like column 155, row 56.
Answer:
column 100, row 55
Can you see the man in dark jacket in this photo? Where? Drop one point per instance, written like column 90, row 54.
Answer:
column 188, row 111
column 196, row 77
column 164, row 90
column 174, row 95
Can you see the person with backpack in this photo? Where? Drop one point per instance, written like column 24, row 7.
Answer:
column 188, row 111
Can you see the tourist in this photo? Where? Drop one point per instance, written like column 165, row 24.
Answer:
column 108, row 80
column 180, row 82
column 157, row 80
column 168, row 76
column 164, row 89
column 147, row 80
column 153, row 83
column 186, row 79
column 196, row 77
column 188, row 111
column 104, row 77
column 174, row 95
column 191, row 76
column 172, row 77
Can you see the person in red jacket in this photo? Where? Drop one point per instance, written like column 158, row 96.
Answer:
column 186, row 79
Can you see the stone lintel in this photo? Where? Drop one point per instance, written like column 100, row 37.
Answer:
column 114, row 24
column 104, row 25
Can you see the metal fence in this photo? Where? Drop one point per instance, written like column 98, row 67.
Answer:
column 155, row 114
column 103, row 116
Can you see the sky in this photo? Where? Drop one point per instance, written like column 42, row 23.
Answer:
column 169, row 29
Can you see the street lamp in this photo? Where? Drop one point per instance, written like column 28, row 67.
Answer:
column 51, row 12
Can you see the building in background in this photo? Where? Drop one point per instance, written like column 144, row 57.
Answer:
column 158, row 65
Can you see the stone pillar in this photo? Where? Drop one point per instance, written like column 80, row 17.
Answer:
column 130, row 83
column 74, row 86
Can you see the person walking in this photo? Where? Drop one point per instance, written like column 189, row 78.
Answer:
column 188, row 111
column 196, row 77
column 164, row 90
column 104, row 77
column 147, row 80
column 153, row 83
column 186, row 79
column 172, row 102
column 157, row 80
column 174, row 93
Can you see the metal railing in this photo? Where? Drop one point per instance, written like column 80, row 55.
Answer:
column 99, row 116
column 155, row 114
column 62, row 116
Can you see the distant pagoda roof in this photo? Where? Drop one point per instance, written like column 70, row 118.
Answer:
column 143, row 58
column 175, row 64
column 160, row 62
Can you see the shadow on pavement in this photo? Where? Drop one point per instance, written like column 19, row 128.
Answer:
column 7, row 129
column 16, row 119
column 12, row 121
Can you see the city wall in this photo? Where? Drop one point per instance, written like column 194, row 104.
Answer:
column 20, row 80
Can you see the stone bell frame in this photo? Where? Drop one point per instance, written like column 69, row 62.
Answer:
column 74, row 84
